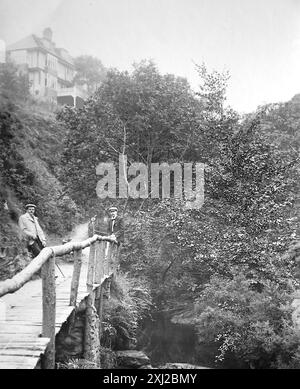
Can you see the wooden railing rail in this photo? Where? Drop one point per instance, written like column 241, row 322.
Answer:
column 13, row 284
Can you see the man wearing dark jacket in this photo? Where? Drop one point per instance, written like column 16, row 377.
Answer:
column 115, row 225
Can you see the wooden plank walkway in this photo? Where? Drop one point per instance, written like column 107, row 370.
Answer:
column 20, row 343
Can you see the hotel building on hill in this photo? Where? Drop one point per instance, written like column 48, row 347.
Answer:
column 50, row 69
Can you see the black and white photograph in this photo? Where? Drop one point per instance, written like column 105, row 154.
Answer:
column 150, row 187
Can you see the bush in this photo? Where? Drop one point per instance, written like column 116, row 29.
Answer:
column 253, row 328
column 13, row 83
column 77, row 364
column 130, row 302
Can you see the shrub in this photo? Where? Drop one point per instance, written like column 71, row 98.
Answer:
column 13, row 83
column 254, row 328
column 77, row 364
column 130, row 302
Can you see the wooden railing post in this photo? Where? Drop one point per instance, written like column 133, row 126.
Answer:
column 100, row 313
column 107, row 258
column 99, row 259
column 91, row 264
column 91, row 338
column 115, row 258
column 76, row 276
column 49, row 311
column 91, row 267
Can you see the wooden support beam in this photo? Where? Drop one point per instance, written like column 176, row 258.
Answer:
column 107, row 258
column 49, row 311
column 99, row 261
column 76, row 276
column 100, row 309
column 91, row 337
column 114, row 258
column 91, row 268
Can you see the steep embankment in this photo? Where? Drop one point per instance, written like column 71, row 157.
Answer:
column 31, row 142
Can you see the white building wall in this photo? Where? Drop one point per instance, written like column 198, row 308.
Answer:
column 32, row 58
column 61, row 71
column 51, row 81
column 52, row 62
column 42, row 60
column 37, row 80
column 19, row 56
column 65, row 72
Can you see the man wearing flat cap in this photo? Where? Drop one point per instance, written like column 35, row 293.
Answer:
column 32, row 230
column 115, row 225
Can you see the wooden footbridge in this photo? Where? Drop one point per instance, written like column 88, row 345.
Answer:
column 28, row 328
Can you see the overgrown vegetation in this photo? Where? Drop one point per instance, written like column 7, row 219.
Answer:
column 30, row 147
column 130, row 302
column 254, row 329
column 73, row 364
column 90, row 72
column 249, row 218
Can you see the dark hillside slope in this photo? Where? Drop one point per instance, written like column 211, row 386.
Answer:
column 30, row 147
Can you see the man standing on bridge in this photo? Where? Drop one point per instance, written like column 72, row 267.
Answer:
column 32, row 231
column 116, row 231
column 116, row 225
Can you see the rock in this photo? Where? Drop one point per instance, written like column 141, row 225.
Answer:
column 181, row 366
column 132, row 359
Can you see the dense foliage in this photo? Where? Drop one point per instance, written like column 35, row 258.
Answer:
column 144, row 115
column 130, row 302
column 253, row 329
column 90, row 72
column 29, row 157
column 14, row 84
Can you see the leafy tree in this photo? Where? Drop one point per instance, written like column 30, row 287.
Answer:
column 212, row 90
column 13, row 83
column 281, row 124
column 89, row 71
column 147, row 116
column 249, row 329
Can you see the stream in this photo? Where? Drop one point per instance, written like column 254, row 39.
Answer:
column 166, row 342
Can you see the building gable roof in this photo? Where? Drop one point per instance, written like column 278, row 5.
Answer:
column 34, row 42
column 26, row 43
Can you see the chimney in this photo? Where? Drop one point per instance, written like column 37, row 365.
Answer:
column 47, row 34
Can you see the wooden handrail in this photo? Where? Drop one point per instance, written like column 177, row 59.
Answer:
column 16, row 282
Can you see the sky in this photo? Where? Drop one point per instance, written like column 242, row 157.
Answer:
column 257, row 41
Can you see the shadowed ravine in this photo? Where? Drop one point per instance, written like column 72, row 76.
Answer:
column 166, row 342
